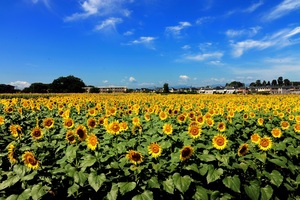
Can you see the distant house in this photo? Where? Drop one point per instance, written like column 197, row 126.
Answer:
column 112, row 89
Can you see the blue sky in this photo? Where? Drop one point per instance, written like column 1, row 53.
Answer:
column 146, row 43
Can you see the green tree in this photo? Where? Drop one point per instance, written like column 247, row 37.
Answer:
column 280, row 81
column 264, row 83
column 286, row 82
column 274, row 82
column 37, row 88
column 258, row 83
column 69, row 84
column 235, row 84
column 166, row 88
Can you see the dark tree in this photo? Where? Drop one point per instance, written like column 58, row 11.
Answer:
column 235, row 84
column 264, row 83
column 280, row 81
column 252, row 84
column 286, row 82
column 166, row 88
column 268, row 83
column 274, row 82
column 7, row 88
column 258, row 83
column 37, row 88
column 69, row 84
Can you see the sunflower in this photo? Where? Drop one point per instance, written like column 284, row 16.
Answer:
column 245, row 116
column 30, row 161
column 221, row 126
column 15, row 130
column 186, row 152
column 124, row 126
column 181, row 118
column 291, row 117
column 136, row 129
column 37, row 133
column 2, row 119
column 48, row 123
column 101, row 121
column 167, row 129
column 154, row 150
column 260, row 121
column 243, row 149
column 114, row 128
column 219, row 141
column 200, row 120
column 70, row 136
column 276, row 132
column 68, row 123
column 91, row 123
column 8, row 109
column 134, row 157
column 163, row 115
column 81, row 132
column 135, row 121
column 255, row 138
column 92, row 112
column 285, row 125
column 147, row 116
column 11, row 154
column 210, row 122
column 265, row 143
column 252, row 114
column 297, row 118
column 297, row 127
column 194, row 131
column 92, row 141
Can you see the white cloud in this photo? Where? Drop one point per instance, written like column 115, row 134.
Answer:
column 247, row 32
column 176, row 30
column 20, row 84
column 109, row 24
column 279, row 39
column 132, row 79
column 185, row 47
column 146, row 41
column 128, row 33
column 100, row 7
column 253, row 7
column 204, row 56
column 105, row 81
column 203, row 20
column 284, row 8
column 184, row 77
column 45, row 2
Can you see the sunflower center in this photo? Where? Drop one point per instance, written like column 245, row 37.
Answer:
column 136, row 157
column 220, row 141
column 154, row 148
column 71, row 138
column 264, row 142
column 32, row 161
column 48, row 123
column 69, row 123
column 194, row 131
column 37, row 133
column 186, row 152
column 80, row 133
column 93, row 141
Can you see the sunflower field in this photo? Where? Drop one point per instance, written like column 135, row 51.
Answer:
column 150, row 146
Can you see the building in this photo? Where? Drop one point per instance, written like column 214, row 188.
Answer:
column 112, row 89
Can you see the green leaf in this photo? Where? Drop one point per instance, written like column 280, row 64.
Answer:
column 279, row 162
column 96, row 181
column 261, row 157
column 193, row 167
column 29, row 176
column 153, row 182
column 113, row 194
column 38, row 191
column 126, row 186
column 25, row 194
column 182, row 183
column 233, row 183
column 275, row 178
column 71, row 190
column 204, row 169
column 266, row 192
column 146, row 195
column 12, row 197
column 80, row 177
column 88, row 161
column 207, row 157
column 214, row 174
column 252, row 190
column 20, row 170
column 201, row 194
column 9, row 182
column 71, row 152
column 168, row 186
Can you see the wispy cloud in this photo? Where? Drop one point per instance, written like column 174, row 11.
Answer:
column 109, row 24
column 132, row 79
column 204, row 56
column 253, row 7
column 146, row 41
column 20, row 84
column 203, row 20
column 184, row 78
column 282, row 9
column 279, row 39
column 186, row 47
column 243, row 32
column 176, row 30
column 101, row 8
column 45, row 2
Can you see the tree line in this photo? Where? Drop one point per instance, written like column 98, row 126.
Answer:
column 68, row 84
